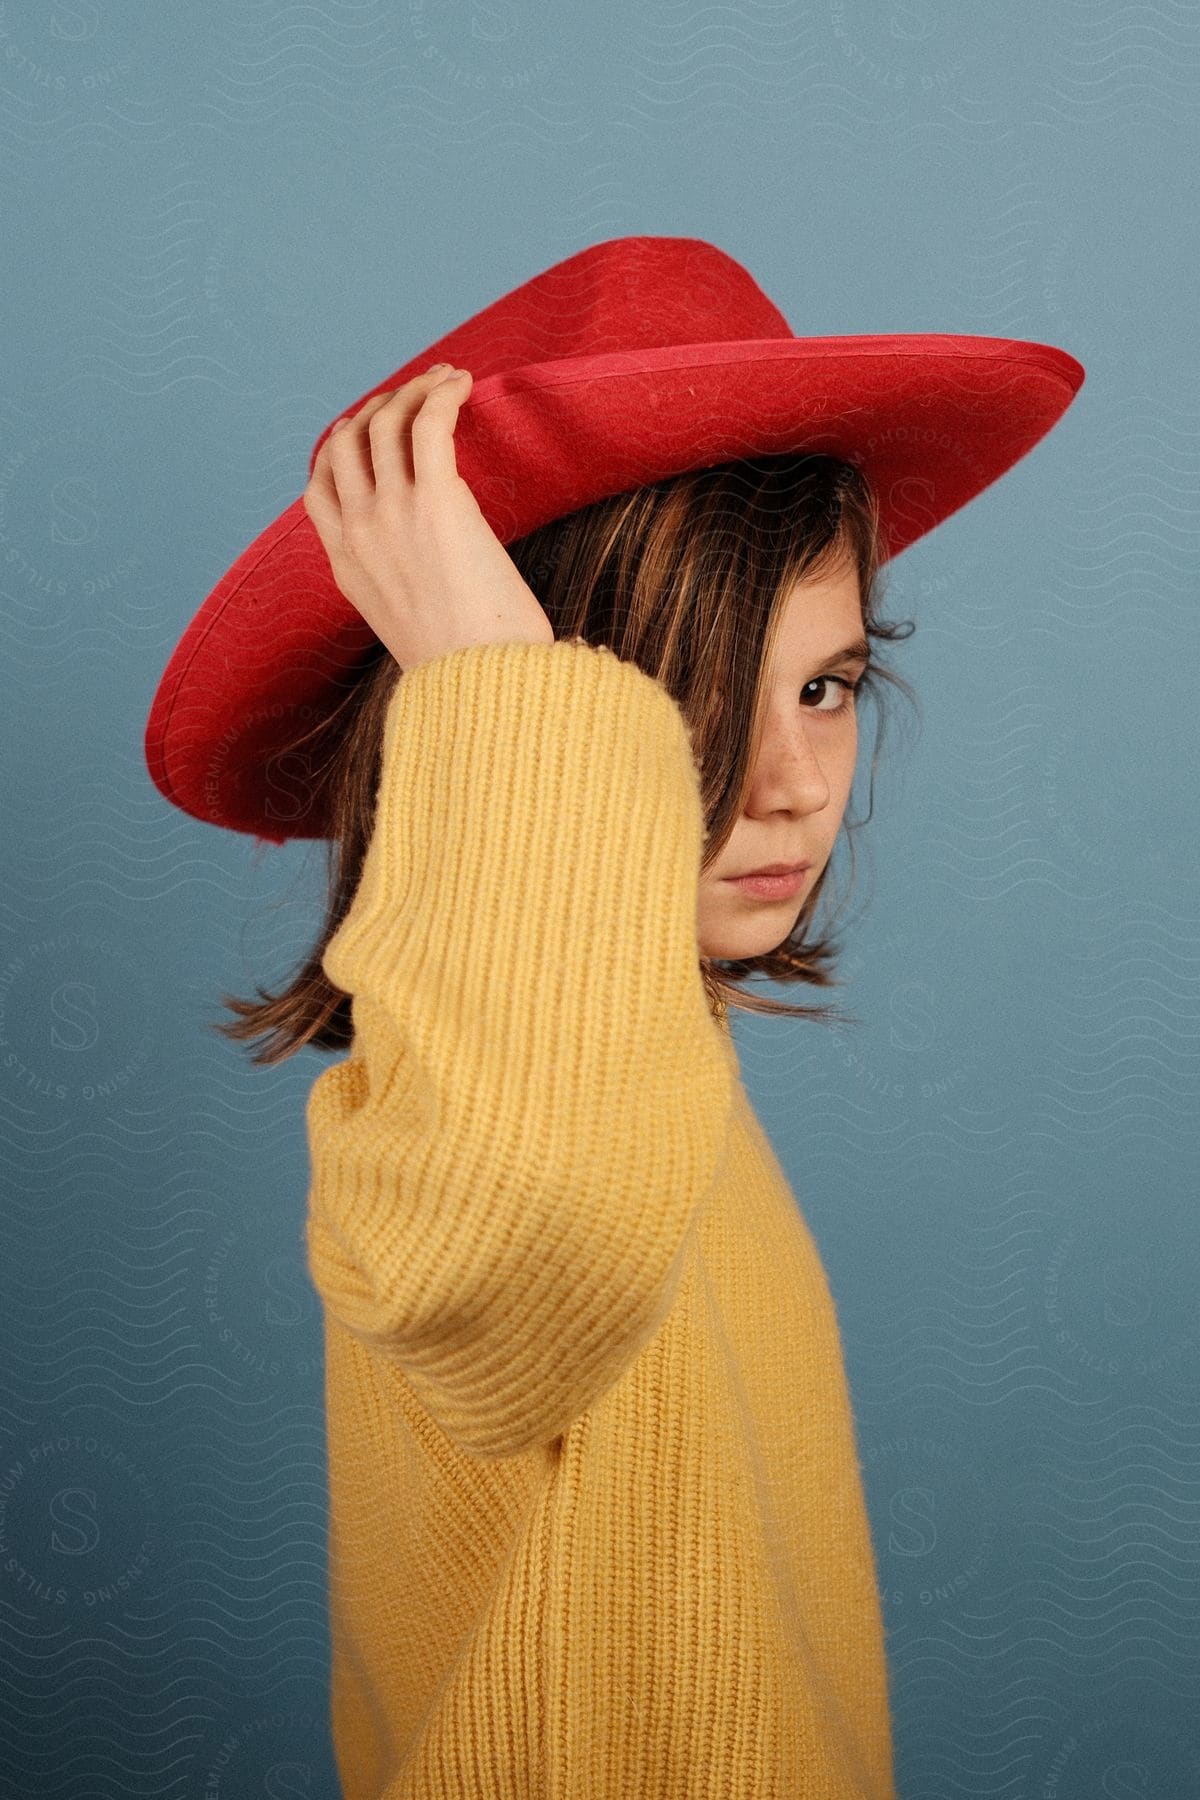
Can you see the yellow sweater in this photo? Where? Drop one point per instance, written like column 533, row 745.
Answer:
column 596, row 1527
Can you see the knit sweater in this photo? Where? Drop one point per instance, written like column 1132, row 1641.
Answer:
column 596, row 1522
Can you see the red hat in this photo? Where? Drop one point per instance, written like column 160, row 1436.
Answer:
column 634, row 359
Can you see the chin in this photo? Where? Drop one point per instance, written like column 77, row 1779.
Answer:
column 732, row 947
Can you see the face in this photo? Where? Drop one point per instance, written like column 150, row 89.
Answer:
column 802, row 777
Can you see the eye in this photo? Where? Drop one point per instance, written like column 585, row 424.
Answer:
column 848, row 690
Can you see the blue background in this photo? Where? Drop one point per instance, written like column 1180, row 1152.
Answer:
column 221, row 226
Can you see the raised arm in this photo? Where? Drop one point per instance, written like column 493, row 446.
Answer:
column 507, row 1168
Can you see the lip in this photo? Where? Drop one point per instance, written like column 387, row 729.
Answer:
column 780, row 884
column 796, row 868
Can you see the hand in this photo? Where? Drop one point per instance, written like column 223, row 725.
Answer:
column 406, row 540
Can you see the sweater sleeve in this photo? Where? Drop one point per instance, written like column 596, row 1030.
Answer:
column 507, row 1168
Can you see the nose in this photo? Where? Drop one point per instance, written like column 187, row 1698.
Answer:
column 790, row 771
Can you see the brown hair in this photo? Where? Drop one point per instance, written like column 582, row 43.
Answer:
column 686, row 577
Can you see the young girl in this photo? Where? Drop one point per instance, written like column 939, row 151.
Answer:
column 597, row 1526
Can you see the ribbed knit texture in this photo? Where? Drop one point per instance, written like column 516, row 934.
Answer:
column 597, row 1528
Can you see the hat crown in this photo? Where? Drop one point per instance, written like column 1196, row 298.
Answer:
column 626, row 293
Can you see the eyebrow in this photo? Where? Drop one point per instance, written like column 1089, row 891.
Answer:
column 859, row 652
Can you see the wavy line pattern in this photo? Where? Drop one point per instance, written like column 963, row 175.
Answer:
column 218, row 226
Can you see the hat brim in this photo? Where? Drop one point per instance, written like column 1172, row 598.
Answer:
column 932, row 420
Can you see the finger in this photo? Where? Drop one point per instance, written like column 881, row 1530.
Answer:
column 433, row 428
column 321, row 505
column 391, row 452
column 352, row 447
column 347, row 452
column 321, row 501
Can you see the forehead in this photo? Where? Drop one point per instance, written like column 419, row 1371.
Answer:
column 821, row 613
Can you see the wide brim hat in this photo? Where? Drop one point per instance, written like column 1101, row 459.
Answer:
column 634, row 359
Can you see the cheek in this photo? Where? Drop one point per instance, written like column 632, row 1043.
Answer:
column 846, row 758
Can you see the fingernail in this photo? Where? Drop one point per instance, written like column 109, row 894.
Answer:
column 434, row 367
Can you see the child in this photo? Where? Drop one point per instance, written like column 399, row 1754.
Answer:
column 597, row 1526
